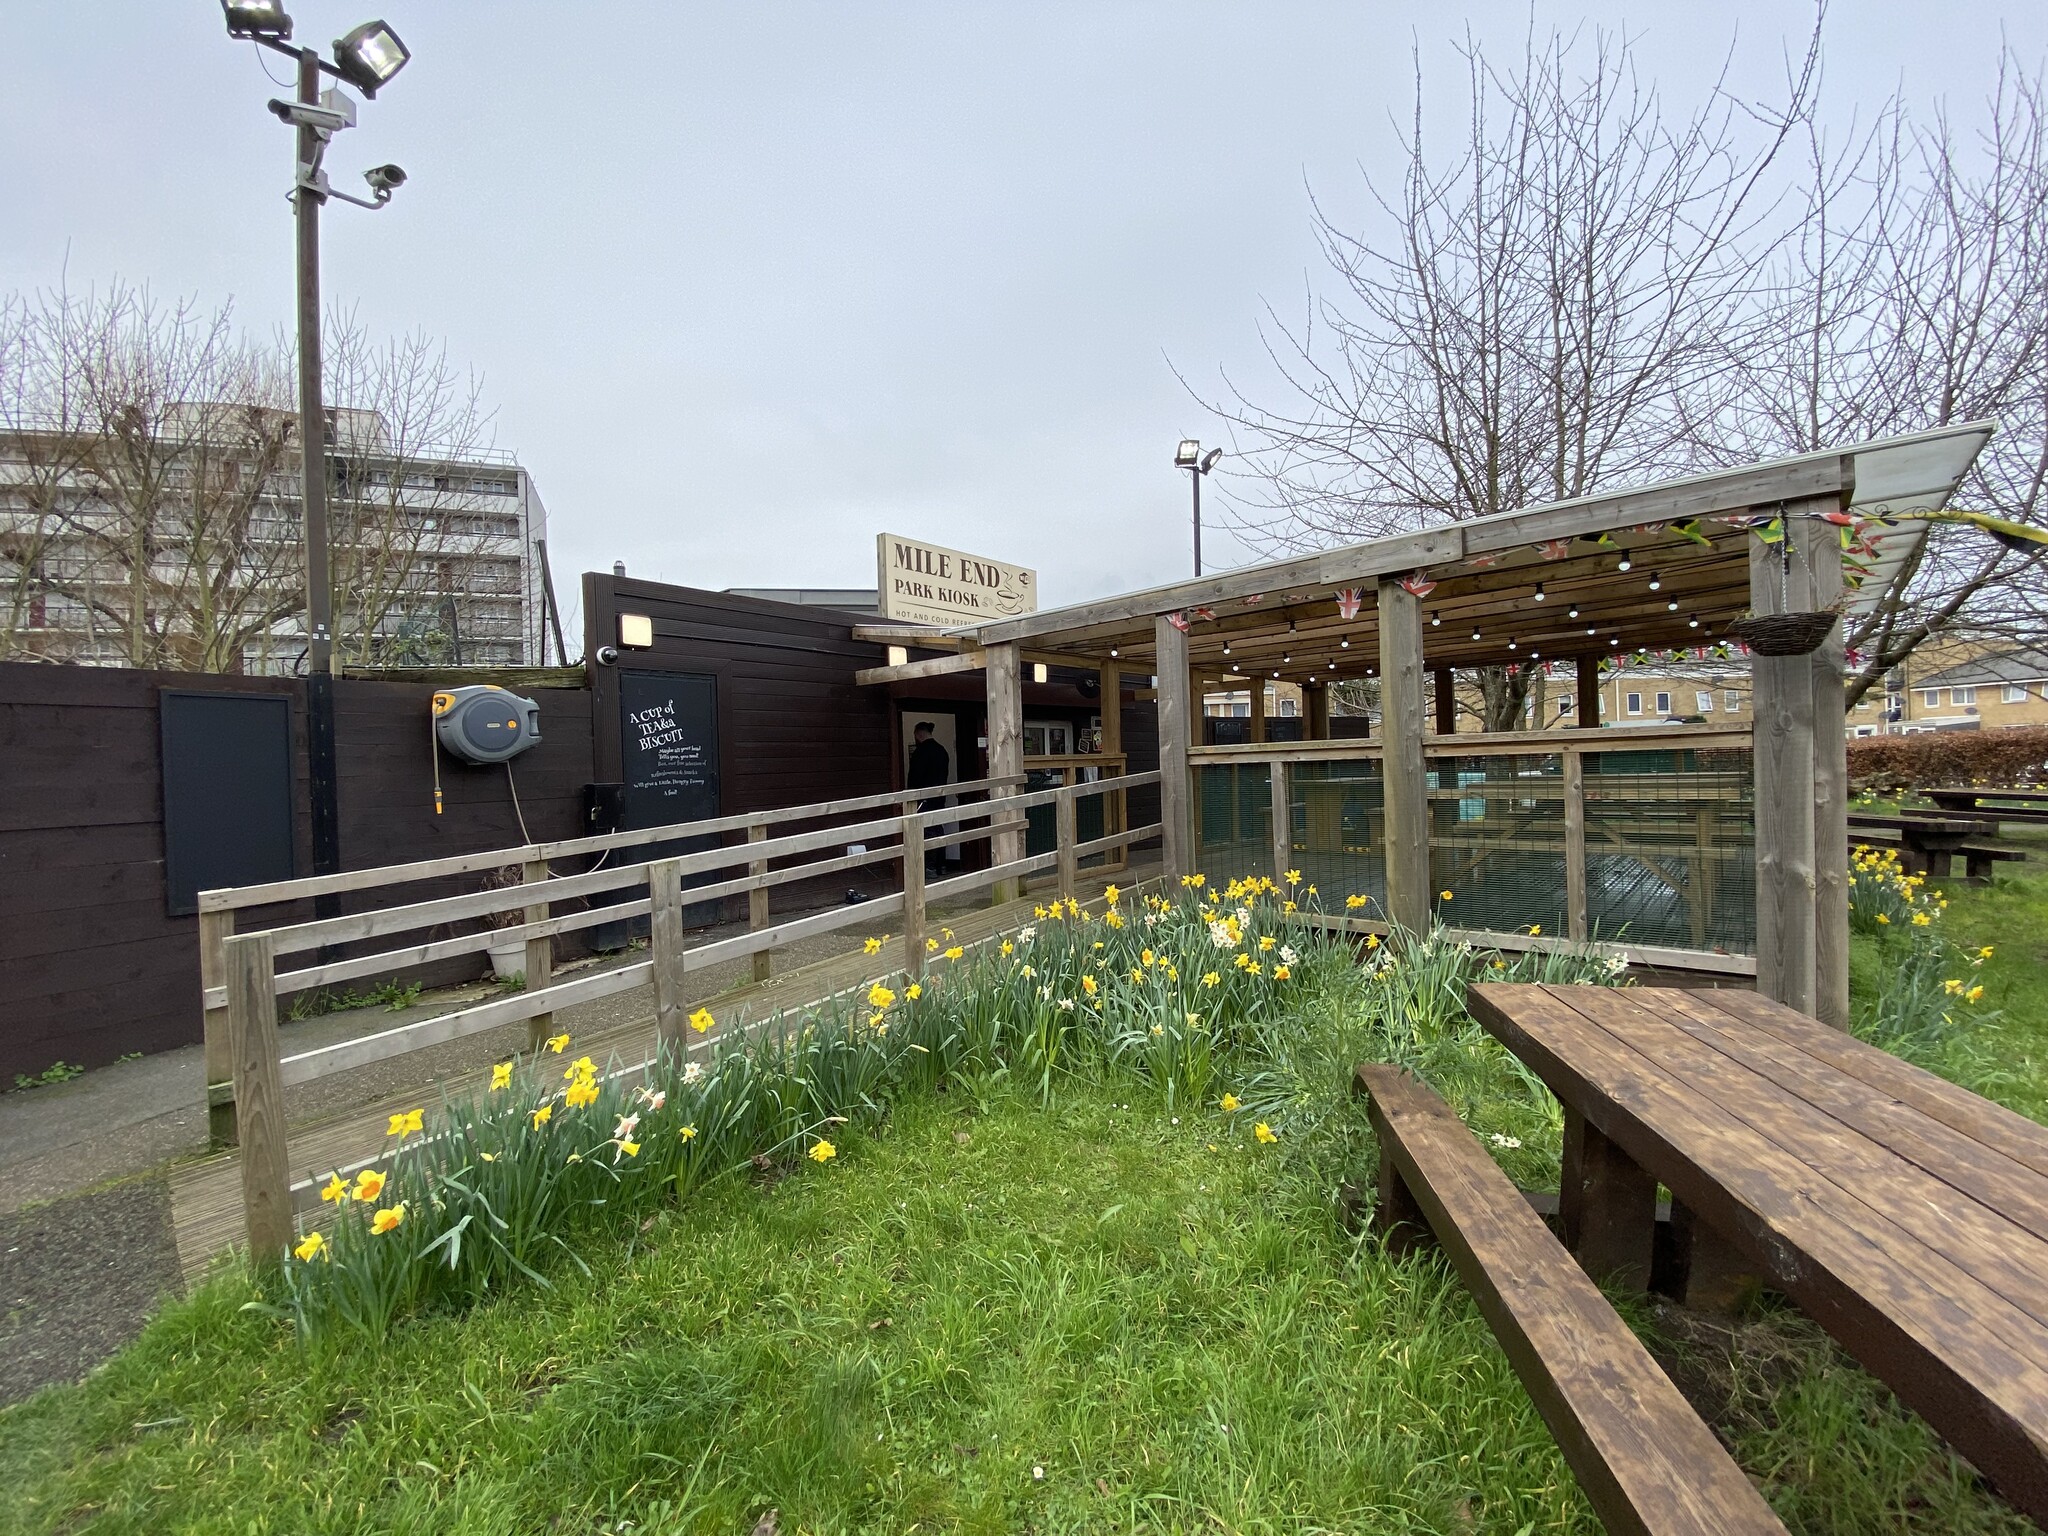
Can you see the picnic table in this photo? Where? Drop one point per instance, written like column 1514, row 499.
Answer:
column 1909, row 1217
column 2014, row 804
column 1928, row 843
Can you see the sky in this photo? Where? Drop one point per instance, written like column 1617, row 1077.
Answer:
column 748, row 284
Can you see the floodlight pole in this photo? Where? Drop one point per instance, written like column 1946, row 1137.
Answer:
column 320, row 759
column 1195, row 480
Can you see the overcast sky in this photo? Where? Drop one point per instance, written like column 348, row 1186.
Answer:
column 749, row 283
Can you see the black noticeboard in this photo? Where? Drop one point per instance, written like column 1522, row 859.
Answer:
column 668, row 732
column 227, row 779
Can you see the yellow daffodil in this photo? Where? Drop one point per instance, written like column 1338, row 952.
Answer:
column 1288, row 906
column 312, row 1248
column 1921, row 920
column 1008, row 948
column 872, row 947
column 489, row 1157
column 501, row 1076
column 1294, row 877
column 823, row 1152
column 543, row 1115
column 688, row 1133
column 954, row 953
column 1951, row 986
column 558, row 1043
column 1353, row 902
column 1211, row 979
column 1039, row 913
column 335, row 1190
column 1146, row 958
column 579, row 1093
column 914, row 991
column 1536, row 929
column 880, row 996
column 1312, row 891
column 1984, row 953
column 405, row 1124
column 582, row 1066
column 630, row 1148
column 931, row 946
column 369, row 1185
column 1264, row 1133
column 701, row 1020
column 1372, row 941
column 1267, row 941
column 1281, row 972
column 1228, row 1103
column 1110, row 894
column 1444, row 895
column 1887, row 922
column 388, row 1218
column 1974, row 993
column 1088, row 985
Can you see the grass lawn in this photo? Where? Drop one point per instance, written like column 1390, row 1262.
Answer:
column 984, row 1315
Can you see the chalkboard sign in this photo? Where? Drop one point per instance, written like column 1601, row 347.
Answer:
column 227, row 783
column 668, row 733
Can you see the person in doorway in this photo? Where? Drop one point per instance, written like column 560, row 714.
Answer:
column 931, row 766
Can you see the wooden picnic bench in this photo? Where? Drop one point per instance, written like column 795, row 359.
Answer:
column 1929, row 843
column 1977, row 857
column 1645, row 1460
column 2014, row 804
column 1909, row 1217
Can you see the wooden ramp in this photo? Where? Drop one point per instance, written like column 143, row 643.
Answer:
column 206, row 1196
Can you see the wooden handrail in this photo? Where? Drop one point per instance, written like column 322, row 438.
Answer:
column 1488, row 744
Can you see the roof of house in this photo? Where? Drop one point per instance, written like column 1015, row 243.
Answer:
column 2016, row 666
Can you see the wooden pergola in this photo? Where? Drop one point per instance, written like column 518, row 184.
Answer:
column 1662, row 567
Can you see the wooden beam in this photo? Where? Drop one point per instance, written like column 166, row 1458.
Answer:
column 1112, row 677
column 1405, row 781
column 1176, row 736
column 1575, row 847
column 1446, row 701
column 911, row 671
column 1005, row 752
column 1589, row 693
column 1316, row 703
column 538, row 965
column 1257, row 683
column 1823, row 551
column 1282, row 818
column 665, row 947
column 259, row 1098
column 757, row 905
column 215, row 929
column 908, row 634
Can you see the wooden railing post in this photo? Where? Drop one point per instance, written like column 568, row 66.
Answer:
column 1575, row 847
column 665, row 949
column 215, row 929
column 1283, row 819
column 1065, row 823
column 540, row 953
column 913, row 893
column 757, row 904
column 250, row 977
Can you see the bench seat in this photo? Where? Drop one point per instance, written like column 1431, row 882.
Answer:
column 1646, row 1461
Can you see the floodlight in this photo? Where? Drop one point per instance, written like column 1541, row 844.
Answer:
column 1188, row 455
column 636, row 630
column 1209, row 459
column 369, row 56
column 256, row 18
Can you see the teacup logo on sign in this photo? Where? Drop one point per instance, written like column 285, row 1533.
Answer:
column 923, row 583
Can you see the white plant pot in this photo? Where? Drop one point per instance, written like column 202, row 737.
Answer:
column 508, row 960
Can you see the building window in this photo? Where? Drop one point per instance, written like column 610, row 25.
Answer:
column 1704, row 701
column 1663, row 703
column 1567, row 704
column 2013, row 693
column 1962, row 696
column 1287, row 709
column 1730, row 699
column 1635, row 703
column 1930, row 698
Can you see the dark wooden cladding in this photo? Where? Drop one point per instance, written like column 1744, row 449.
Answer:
column 91, row 965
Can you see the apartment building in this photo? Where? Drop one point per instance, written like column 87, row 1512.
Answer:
column 182, row 546
column 1990, row 691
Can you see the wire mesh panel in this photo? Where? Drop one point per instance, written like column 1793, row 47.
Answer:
column 1671, row 848
column 1496, row 843
column 1233, row 820
column 1338, row 835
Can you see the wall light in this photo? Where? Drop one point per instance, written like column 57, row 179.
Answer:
column 899, row 655
column 636, row 631
column 1040, row 672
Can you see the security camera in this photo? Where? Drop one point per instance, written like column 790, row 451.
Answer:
column 607, row 655
column 384, row 180
column 333, row 113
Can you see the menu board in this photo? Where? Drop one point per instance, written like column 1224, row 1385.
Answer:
column 668, row 732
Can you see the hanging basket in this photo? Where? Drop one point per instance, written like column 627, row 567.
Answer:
column 1783, row 634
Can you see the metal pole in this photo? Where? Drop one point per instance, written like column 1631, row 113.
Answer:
column 320, row 761
column 1195, row 479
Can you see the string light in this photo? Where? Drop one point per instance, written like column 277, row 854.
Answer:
column 1343, row 645
column 1656, row 581
column 1625, row 564
column 1435, row 618
column 1692, row 621
column 1539, row 591
column 1572, row 612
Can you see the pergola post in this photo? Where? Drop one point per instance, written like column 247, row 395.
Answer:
column 1588, row 706
column 1258, row 725
column 1176, row 727
column 1446, row 701
column 1801, row 768
column 1406, row 780
column 1005, row 755
column 1316, row 707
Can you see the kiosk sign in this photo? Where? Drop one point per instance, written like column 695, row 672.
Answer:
column 937, row 584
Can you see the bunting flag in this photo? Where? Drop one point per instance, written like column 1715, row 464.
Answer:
column 1179, row 621
column 1255, row 599
column 1554, row 549
column 1415, row 584
column 1647, row 528
column 1481, row 562
column 1350, row 600
column 1205, row 614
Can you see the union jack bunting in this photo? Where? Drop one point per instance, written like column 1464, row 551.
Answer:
column 1179, row 621
column 1255, row 599
column 1481, row 562
column 1554, row 549
column 1205, row 614
column 1415, row 585
column 1349, row 601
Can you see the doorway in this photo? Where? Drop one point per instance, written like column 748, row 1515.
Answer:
column 945, row 731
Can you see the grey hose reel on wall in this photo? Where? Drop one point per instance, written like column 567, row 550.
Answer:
column 485, row 724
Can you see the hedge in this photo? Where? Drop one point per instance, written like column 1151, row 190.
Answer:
column 2006, row 758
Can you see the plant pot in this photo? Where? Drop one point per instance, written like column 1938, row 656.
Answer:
column 1783, row 634
column 508, row 960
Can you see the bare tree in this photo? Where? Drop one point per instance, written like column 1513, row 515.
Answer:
column 150, row 499
column 1527, row 324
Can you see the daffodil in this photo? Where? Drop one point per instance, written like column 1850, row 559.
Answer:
column 629, row 1148
column 312, row 1248
column 388, row 1218
column 1263, row 1133
column 701, row 1020
column 688, row 1133
column 880, row 996
column 1088, row 985
column 931, row 946
column 543, row 1115
column 1974, row 993
column 1921, row 920
column 872, row 947
column 558, row 1043
column 1294, row 877
column 1267, row 941
column 1353, row 902
column 579, row 1093
column 955, row 952
column 1984, row 953
column 335, row 1190
column 823, row 1152
column 405, row 1124
column 1444, row 895
column 1536, row 929
column 369, row 1185
column 1145, row 958
column 625, row 1128
column 1211, row 979
column 914, row 991
column 501, row 1076
column 1281, row 972
column 1372, row 941
column 1228, row 1103
column 1110, row 894
column 1008, row 949
column 582, row 1066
